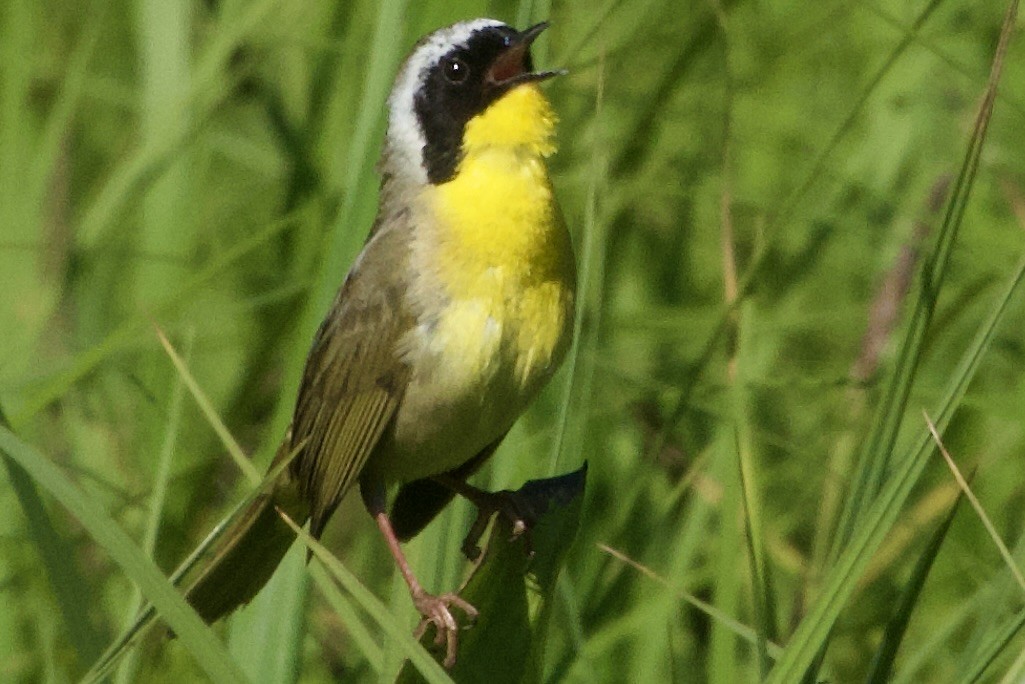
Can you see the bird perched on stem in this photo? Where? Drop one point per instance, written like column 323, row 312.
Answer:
column 453, row 317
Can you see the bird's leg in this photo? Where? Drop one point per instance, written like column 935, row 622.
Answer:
column 434, row 610
column 507, row 503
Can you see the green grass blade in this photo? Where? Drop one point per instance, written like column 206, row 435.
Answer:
column 356, row 173
column 841, row 581
column 724, row 666
column 761, row 583
column 209, row 652
column 367, row 642
column 874, row 458
column 425, row 665
column 993, row 647
column 740, row 629
column 189, row 568
column 276, row 616
column 126, row 673
column 210, row 413
column 984, row 518
column 58, row 557
column 126, row 335
column 587, row 313
column 882, row 663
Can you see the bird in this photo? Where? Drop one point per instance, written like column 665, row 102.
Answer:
column 455, row 314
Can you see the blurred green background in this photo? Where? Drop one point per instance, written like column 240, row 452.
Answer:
column 207, row 168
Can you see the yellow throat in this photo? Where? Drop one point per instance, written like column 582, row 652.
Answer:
column 500, row 246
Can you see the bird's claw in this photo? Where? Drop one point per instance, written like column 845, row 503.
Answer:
column 505, row 504
column 436, row 610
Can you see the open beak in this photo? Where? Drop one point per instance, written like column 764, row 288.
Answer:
column 513, row 65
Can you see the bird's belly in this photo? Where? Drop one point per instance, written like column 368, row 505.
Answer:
column 472, row 375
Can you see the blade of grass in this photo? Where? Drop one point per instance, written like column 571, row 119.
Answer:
column 992, row 649
column 739, row 628
column 275, row 616
column 127, row 671
column 761, row 598
column 882, row 663
column 575, row 628
column 366, row 642
column 880, row 331
column 58, row 561
column 761, row 591
column 384, row 618
column 979, row 510
column 356, row 171
column 146, row 618
column 840, row 583
column 128, row 333
column 931, row 649
column 193, row 633
column 723, row 664
column 209, row 412
column 589, row 297
column 165, row 33
column 782, row 217
column 874, row 457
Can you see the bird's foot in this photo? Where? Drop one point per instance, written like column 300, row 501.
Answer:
column 511, row 507
column 437, row 611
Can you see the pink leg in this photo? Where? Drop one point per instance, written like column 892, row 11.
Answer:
column 433, row 609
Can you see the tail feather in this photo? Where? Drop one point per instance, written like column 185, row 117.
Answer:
column 242, row 560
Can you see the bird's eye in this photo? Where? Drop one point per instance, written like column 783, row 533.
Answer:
column 455, row 70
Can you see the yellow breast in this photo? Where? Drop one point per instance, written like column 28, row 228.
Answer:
column 501, row 248
column 492, row 286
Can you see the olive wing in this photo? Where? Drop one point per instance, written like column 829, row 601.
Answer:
column 353, row 381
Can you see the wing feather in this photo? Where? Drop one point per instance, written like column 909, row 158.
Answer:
column 354, row 379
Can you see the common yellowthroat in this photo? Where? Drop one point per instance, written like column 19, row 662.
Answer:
column 455, row 314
